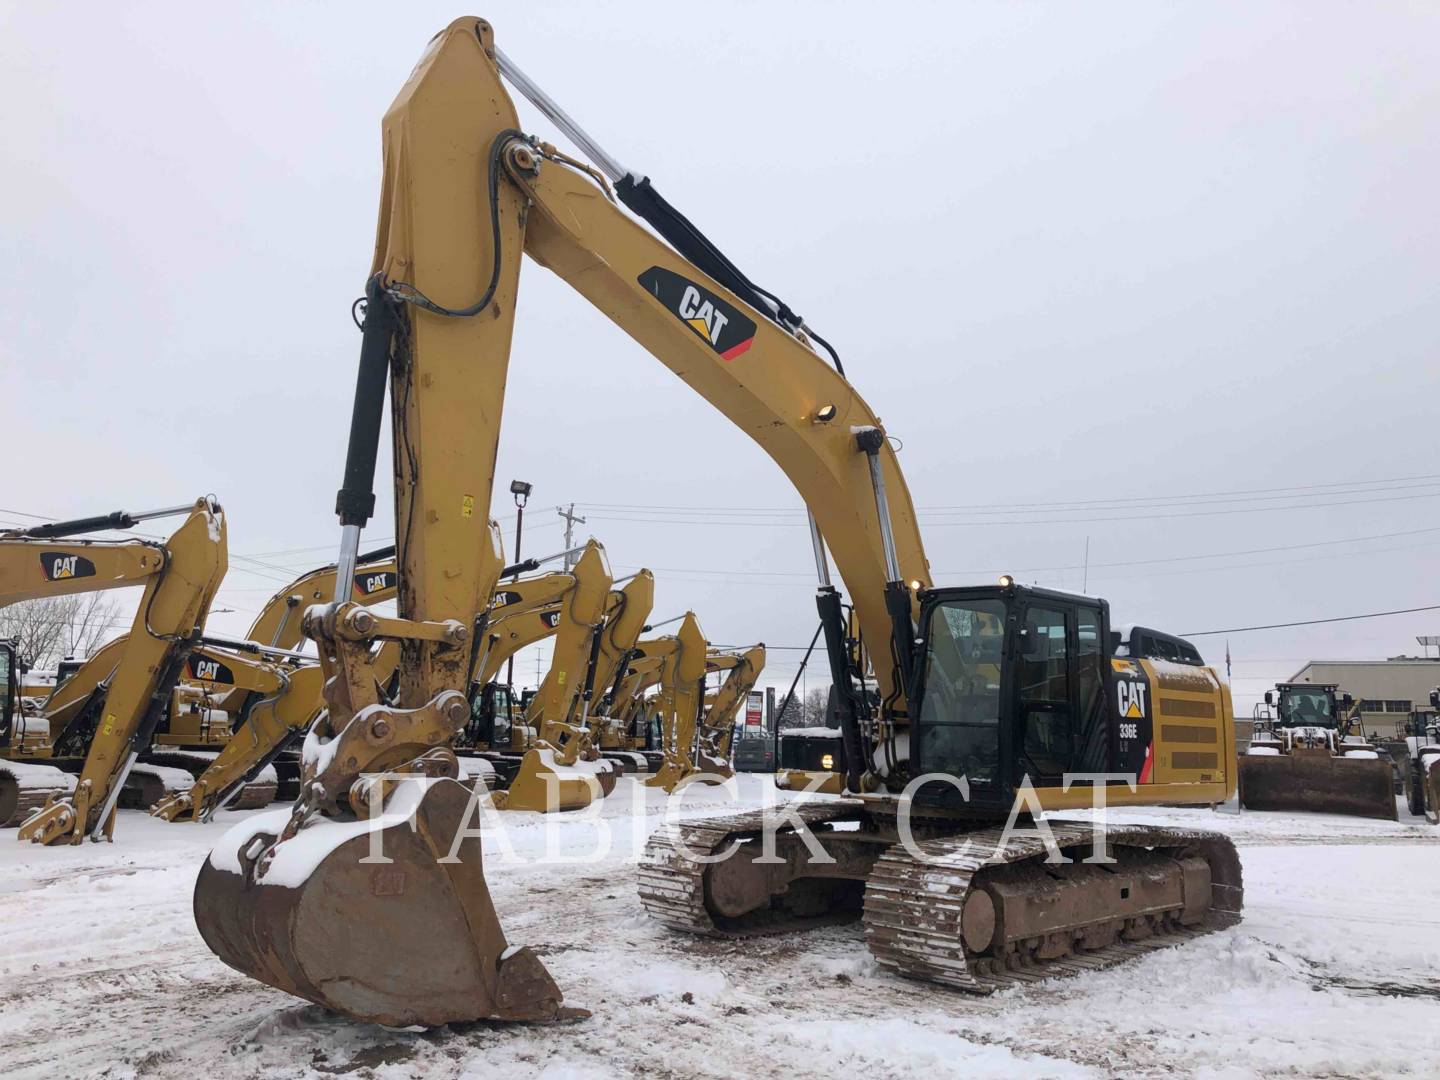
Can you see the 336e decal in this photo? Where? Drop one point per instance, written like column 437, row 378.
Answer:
column 721, row 325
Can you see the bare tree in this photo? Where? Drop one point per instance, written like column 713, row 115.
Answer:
column 55, row 626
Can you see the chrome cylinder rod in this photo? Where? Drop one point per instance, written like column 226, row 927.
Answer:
column 882, row 505
column 345, row 565
column 560, row 118
column 822, row 564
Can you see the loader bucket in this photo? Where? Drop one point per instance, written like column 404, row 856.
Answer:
column 1318, row 784
column 544, row 785
column 407, row 940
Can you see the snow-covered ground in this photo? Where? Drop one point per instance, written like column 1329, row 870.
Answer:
column 1334, row 972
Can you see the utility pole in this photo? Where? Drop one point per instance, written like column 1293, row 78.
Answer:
column 521, row 490
column 570, row 519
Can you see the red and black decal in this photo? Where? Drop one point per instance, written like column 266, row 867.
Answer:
column 505, row 599
column 1134, row 721
column 375, row 582
column 63, row 565
column 550, row 618
column 723, row 326
column 208, row 669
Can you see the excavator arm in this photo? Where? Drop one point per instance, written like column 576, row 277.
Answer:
column 136, row 692
column 625, row 617
column 718, row 726
column 577, row 641
column 278, row 623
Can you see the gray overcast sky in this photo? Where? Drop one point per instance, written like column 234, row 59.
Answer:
column 1113, row 255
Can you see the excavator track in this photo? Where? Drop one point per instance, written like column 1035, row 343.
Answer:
column 914, row 924
column 672, row 885
column 25, row 788
column 1167, row 887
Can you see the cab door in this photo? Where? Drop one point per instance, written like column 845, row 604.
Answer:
column 1045, row 693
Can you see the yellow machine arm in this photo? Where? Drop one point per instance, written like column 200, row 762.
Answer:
column 445, row 277
column 625, row 616
column 136, row 695
column 278, row 623
column 510, row 632
column 577, row 642
column 682, row 695
column 31, row 569
column 718, row 727
column 630, row 697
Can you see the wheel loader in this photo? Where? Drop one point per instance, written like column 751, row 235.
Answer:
column 991, row 698
column 104, row 717
column 1306, row 757
column 1422, row 762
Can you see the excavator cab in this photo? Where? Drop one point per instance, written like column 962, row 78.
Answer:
column 491, row 712
column 1011, row 684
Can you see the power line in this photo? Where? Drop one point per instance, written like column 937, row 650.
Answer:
column 1312, row 622
column 800, row 523
column 1188, row 497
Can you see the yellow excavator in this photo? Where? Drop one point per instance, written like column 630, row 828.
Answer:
column 560, row 769
column 637, row 720
column 680, row 700
column 625, row 616
column 990, row 696
column 717, row 729
column 1305, row 756
column 102, row 719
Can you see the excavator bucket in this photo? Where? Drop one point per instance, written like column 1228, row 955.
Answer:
column 1318, row 783
column 546, row 786
column 409, row 938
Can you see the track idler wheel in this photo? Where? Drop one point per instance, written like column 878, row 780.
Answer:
column 408, row 940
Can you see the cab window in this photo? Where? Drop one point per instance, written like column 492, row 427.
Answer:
column 960, row 709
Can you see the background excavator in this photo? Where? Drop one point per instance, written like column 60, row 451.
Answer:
column 679, row 701
column 1305, row 756
column 986, row 693
column 105, row 716
column 560, row 769
column 717, row 728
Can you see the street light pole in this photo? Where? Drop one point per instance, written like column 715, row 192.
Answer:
column 521, row 490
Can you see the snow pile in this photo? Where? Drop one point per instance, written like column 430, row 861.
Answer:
column 296, row 859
